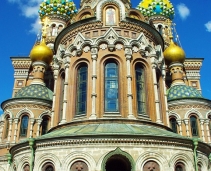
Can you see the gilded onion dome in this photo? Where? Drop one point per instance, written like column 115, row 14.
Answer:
column 174, row 53
column 66, row 8
column 41, row 52
column 156, row 7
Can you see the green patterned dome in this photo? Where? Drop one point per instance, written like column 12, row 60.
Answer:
column 182, row 91
column 65, row 8
column 156, row 7
column 35, row 91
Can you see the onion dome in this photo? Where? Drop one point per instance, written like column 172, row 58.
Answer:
column 174, row 53
column 156, row 7
column 35, row 91
column 182, row 91
column 66, row 8
column 41, row 52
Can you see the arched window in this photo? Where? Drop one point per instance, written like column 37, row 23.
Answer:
column 6, row 127
column 173, row 124
column 26, row 168
column 179, row 167
column 110, row 16
column 44, row 125
column 140, row 89
column 151, row 166
column 48, row 167
column 81, row 90
column 210, row 123
column 194, row 127
column 111, row 87
column 160, row 29
column 79, row 166
column 24, row 126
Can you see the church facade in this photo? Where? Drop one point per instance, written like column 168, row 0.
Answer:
column 106, row 89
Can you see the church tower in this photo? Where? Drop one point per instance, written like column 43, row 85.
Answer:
column 109, row 108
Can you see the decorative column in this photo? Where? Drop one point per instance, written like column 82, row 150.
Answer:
column 31, row 127
column 10, row 129
column 128, row 55
column 16, row 129
column 202, row 128
column 157, row 102
column 39, row 121
column 207, row 121
column 1, row 130
column 56, row 71
column 179, row 121
column 186, row 121
column 66, row 65
column 94, row 78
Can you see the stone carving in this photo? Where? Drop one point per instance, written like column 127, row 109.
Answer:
column 135, row 49
column 151, row 166
column 119, row 46
column 103, row 46
column 79, row 166
column 86, row 49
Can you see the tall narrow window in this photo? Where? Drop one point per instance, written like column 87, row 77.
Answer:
column 81, row 90
column 111, row 87
column 61, row 96
column 173, row 124
column 6, row 127
column 44, row 124
column 140, row 89
column 179, row 167
column 194, row 127
column 24, row 126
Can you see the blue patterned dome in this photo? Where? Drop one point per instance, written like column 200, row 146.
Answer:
column 182, row 91
column 35, row 91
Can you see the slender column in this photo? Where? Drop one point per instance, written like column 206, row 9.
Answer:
column 66, row 64
column 39, row 121
column 16, row 129
column 1, row 130
column 202, row 128
column 165, row 94
column 157, row 102
column 186, row 121
column 56, row 70
column 10, row 129
column 128, row 55
column 207, row 129
column 180, row 126
column 31, row 127
column 94, row 78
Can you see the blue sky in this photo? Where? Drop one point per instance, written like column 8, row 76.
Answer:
column 19, row 27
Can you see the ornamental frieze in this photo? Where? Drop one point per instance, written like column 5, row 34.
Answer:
column 189, row 107
column 29, row 106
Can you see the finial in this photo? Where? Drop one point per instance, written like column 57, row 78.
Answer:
column 44, row 22
column 169, row 23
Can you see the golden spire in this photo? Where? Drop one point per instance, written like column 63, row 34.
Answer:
column 170, row 34
column 44, row 22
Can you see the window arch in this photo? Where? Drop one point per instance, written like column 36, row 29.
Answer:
column 6, row 127
column 111, row 87
column 81, row 100
column 79, row 166
column 140, row 89
column 48, row 167
column 194, row 126
column 151, row 166
column 45, row 125
column 26, row 168
column 179, row 167
column 24, row 126
column 173, row 124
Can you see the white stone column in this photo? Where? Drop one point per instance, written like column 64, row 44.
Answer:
column 10, row 129
column 94, row 78
column 128, row 55
column 16, row 129
column 39, row 121
column 56, row 70
column 186, row 121
column 157, row 102
column 66, row 64
column 31, row 127
column 165, row 94
column 207, row 121
column 202, row 129
column 179, row 121
column 1, row 130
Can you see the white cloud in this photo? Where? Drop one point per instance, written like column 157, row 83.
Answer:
column 29, row 9
column 183, row 10
column 208, row 26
